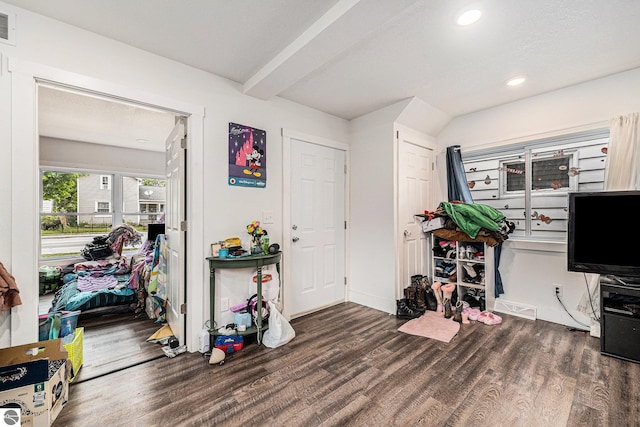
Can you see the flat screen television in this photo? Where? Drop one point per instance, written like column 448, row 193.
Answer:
column 603, row 234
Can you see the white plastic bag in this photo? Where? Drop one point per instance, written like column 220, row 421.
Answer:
column 280, row 331
column 270, row 282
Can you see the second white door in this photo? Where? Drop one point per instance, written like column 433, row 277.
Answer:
column 317, row 260
column 414, row 197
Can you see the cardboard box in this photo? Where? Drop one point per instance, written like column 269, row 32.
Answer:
column 433, row 224
column 35, row 377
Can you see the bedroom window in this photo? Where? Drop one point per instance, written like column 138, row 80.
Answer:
column 76, row 205
column 529, row 182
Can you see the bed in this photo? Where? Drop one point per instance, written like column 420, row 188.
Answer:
column 118, row 279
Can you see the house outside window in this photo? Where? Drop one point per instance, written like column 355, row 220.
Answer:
column 150, row 200
column 529, row 182
column 87, row 204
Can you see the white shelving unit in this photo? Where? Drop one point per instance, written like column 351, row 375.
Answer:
column 469, row 265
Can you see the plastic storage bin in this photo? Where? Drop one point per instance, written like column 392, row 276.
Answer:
column 75, row 351
column 68, row 324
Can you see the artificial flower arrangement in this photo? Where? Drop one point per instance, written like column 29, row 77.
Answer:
column 257, row 233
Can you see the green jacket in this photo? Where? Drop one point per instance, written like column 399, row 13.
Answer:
column 471, row 217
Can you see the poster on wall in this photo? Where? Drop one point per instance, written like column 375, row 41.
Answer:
column 247, row 156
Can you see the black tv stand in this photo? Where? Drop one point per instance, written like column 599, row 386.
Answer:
column 633, row 282
column 620, row 318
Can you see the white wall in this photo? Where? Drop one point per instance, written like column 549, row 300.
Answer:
column 374, row 272
column 530, row 270
column 372, row 255
column 227, row 210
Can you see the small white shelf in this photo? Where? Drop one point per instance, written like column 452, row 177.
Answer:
column 451, row 268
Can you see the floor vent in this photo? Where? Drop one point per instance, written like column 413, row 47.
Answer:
column 7, row 28
column 515, row 309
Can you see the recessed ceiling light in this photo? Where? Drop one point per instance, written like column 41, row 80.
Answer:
column 516, row 81
column 468, row 17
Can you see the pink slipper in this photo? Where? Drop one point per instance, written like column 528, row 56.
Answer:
column 492, row 319
column 473, row 314
column 482, row 316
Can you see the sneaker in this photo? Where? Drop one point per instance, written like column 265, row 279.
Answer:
column 469, row 270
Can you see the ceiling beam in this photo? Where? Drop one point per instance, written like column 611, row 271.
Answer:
column 347, row 23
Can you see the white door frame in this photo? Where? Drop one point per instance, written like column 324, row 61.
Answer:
column 25, row 184
column 287, row 136
column 423, row 140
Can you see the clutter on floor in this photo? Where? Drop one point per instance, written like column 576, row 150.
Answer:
column 435, row 311
column 170, row 345
column 162, row 335
column 217, row 357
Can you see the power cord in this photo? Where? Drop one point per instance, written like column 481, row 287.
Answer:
column 570, row 315
column 586, row 283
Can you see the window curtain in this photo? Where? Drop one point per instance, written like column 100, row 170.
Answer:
column 622, row 172
column 457, row 185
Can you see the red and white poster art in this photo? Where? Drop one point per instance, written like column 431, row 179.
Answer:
column 247, row 156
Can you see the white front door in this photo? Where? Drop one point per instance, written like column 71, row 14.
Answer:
column 415, row 165
column 317, row 232
column 174, row 215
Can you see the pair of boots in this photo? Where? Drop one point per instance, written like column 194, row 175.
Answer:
column 419, row 293
column 449, row 312
column 443, row 294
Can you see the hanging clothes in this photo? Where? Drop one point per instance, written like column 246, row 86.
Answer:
column 9, row 292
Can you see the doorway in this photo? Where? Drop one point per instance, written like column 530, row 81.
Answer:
column 114, row 153
column 25, row 77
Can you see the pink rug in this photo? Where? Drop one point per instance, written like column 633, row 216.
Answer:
column 432, row 325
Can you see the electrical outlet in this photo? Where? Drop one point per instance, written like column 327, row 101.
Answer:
column 557, row 290
column 224, row 304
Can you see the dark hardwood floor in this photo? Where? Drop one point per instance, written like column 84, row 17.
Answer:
column 349, row 366
column 115, row 339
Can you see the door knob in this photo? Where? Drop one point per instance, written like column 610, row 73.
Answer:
column 295, row 239
column 407, row 233
column 294, row 227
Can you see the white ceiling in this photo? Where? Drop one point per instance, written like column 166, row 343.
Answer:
column 352, row 57
column 83, row 117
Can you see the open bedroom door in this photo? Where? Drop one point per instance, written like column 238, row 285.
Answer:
column 175, row 229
